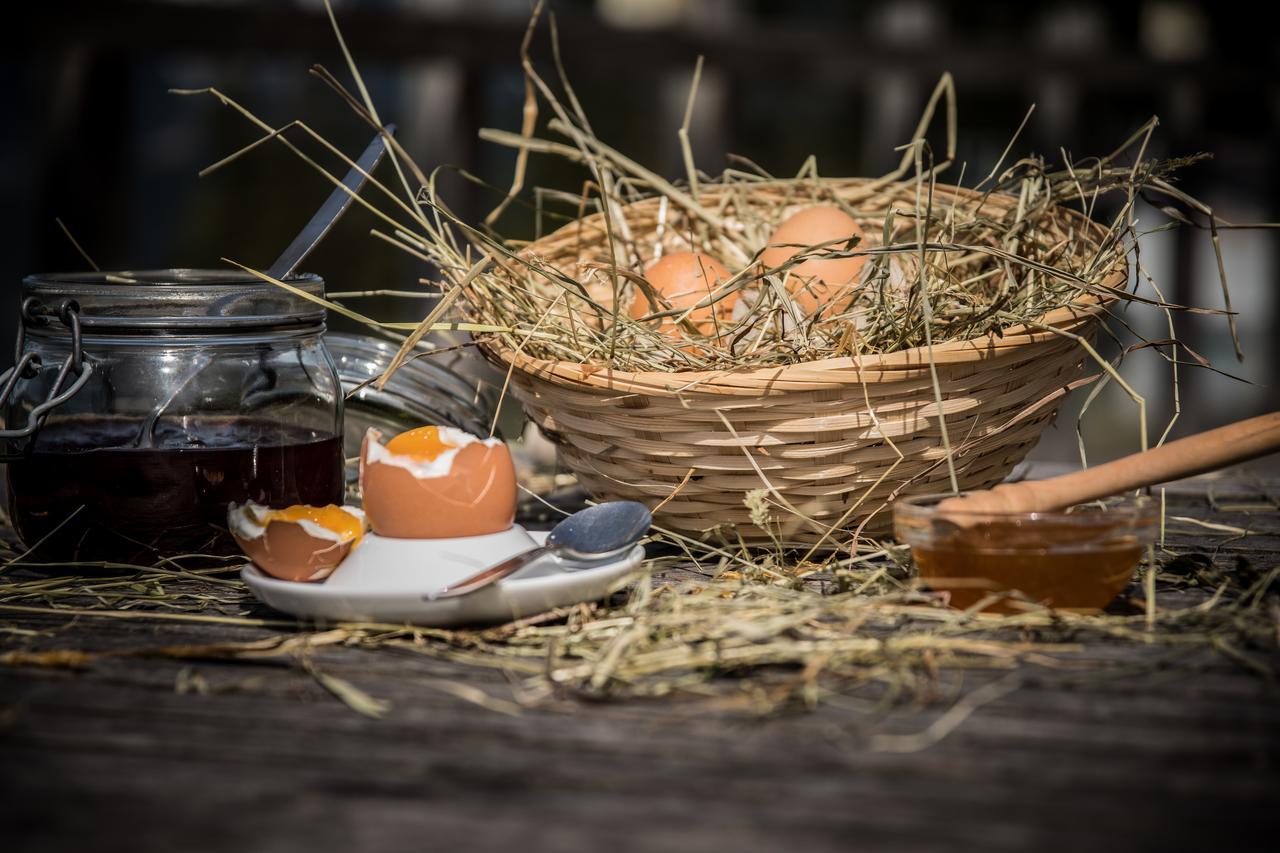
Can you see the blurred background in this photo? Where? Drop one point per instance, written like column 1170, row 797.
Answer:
column 92, row 135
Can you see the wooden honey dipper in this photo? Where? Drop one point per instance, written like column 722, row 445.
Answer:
column 1186, row 457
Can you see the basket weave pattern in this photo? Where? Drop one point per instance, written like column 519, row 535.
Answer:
column 831, row 441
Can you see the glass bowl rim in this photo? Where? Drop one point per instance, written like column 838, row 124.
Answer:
column 1137, row 509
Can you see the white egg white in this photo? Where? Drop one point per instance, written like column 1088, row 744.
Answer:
column 243, row 521
column 425, row 469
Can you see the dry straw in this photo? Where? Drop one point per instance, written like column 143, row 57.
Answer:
column 975, row 312
column 831, row 437
column 977, row 309
column 856, row 637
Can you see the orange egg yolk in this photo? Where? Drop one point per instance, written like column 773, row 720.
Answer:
column 423, row 443
column 332, row 518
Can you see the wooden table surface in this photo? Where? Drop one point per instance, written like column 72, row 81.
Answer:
column 1161, row 748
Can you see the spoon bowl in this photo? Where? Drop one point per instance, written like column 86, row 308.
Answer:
column 589, row 537
column 600, row 531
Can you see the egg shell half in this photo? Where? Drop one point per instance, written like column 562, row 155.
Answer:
column 817, row 284
column 287, row 551
column 475, row 496
column 684, row 279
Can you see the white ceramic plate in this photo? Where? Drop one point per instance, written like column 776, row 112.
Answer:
column 390, row 580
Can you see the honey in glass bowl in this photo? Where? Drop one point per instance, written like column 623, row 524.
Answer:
column 1075, row 559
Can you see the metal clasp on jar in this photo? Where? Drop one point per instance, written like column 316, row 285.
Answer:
column 27, row 365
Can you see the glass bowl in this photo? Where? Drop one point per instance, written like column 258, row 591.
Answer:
column 1075, row 559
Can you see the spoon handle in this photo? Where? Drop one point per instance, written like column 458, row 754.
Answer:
column 1206, row 451
column 493, row 574
column 333, row 208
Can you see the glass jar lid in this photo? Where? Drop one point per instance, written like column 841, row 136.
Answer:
column 185, row 299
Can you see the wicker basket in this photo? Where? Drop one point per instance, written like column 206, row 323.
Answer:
column 836, row 439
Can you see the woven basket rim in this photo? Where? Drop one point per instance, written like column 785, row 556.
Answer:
column 837, row 371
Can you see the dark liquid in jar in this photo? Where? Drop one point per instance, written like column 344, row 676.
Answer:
column 1073, row 566
column 137, row 503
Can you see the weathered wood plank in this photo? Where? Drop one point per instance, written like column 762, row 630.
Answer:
column 1146, row 746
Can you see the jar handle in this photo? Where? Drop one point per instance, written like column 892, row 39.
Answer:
column 27, row 365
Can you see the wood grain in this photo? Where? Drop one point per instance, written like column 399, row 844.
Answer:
column 1125, row 755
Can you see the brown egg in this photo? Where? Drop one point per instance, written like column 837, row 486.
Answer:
column 817, row 284
column 684, row 279
column 299, row 543
column 437, row 483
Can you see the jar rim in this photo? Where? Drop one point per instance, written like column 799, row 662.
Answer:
column 180, row 298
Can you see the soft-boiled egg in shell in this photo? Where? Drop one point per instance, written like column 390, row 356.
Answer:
column 437, row 482
column 817, row 284
column 298, row 543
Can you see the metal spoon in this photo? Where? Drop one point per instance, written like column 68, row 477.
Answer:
column 333, row 208
column 146, row 436
column 592, row 536
column 308, row 238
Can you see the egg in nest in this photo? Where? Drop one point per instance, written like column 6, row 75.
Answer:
column 816, row 284
column 437, row 482
column 299, row 543
column 684, row 279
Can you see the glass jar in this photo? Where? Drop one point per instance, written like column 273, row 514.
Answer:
column 195, row 388
column 426, row 389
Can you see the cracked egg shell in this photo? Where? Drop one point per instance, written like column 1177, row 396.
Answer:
column 437, row 483
column 299, row 543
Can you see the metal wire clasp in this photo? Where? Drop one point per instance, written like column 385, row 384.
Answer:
column 27, row 365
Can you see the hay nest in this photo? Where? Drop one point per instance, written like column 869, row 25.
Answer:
column 830, row 416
